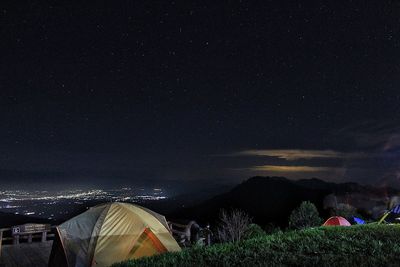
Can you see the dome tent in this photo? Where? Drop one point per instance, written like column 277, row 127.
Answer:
column 391, row 216
column 336, row 221
column 110, row 233
column 358, row 220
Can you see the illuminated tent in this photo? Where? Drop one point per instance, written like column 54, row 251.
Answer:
column 110, row 233
column 392, row 216
column 358, row 220
column 336, row 221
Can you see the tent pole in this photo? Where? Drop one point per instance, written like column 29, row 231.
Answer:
column 383, row 217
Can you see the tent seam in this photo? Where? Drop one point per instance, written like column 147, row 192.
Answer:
column 92, row 237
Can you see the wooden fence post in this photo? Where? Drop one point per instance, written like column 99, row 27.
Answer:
column 208, row 235
column 16, row 240
column 44, row 236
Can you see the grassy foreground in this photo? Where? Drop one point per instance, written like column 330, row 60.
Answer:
column 368, row 245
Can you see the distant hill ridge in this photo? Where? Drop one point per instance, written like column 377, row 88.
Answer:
column 10, row 219
column 271, row 199
column 341, row 188
column 266, row 199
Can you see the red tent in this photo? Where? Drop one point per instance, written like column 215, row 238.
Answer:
column 336, row 221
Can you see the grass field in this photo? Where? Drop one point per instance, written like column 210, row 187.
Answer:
column 366, row 245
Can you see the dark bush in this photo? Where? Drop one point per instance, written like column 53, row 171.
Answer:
column 304, row 216
column 253, row 231
column 271, row 228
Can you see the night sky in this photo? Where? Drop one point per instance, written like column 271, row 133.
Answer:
column 125, row 92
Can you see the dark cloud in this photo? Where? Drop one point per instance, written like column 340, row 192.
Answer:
column 372, row 157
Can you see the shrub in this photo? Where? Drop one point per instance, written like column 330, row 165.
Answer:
column 253, row 231
column 271, row 228
column 360, row 245
column 233, row 225
column 306, row 215
column 346, row 211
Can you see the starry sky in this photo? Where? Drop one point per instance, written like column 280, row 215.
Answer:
column 125, row 92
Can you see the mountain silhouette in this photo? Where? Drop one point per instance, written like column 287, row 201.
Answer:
column 271, row 199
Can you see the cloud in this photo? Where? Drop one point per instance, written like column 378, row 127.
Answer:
column 366, row 152
column 393, row 142
column 296, row 154
column 298, row 163
column 372, row 135
column 286, row 168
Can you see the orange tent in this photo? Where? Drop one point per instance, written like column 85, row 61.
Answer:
column 336, row 221
column 110, row 233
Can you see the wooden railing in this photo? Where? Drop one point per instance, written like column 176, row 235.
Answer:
column 185, row 234
column 26, row 232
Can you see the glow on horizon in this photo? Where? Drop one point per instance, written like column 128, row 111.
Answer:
column 285, row 168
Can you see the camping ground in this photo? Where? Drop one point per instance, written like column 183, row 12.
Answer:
column 359, row 245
